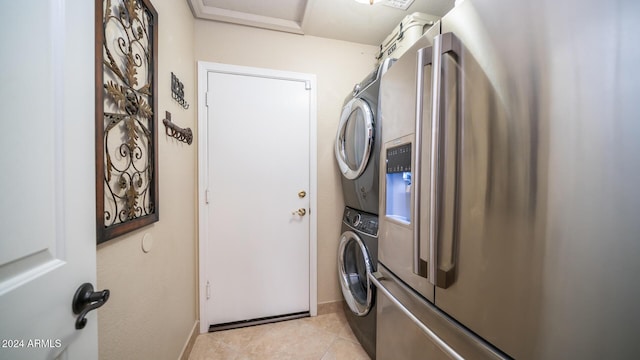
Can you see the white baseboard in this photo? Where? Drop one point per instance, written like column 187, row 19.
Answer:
column 330, row 307
column 186, row 350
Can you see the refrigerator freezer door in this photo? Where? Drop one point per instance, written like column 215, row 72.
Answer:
column 411, row 328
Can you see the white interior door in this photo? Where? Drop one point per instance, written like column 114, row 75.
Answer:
column 47, row 246
column 258, row 257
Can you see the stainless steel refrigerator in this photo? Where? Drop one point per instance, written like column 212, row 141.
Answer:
column 510, row 185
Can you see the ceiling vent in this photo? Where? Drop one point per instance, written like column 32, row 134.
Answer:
column 399, row 4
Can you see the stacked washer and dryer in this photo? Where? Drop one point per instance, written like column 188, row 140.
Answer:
column 357, row 151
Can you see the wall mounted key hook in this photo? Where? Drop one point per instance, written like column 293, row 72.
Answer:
column 173, row 130
column 177, row 91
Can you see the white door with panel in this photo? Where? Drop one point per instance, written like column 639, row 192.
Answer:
column 258, row 193
column 48, row 244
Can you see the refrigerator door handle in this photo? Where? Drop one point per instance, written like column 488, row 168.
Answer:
column 375, row 279
column 443, row 187
column 434, row 161
column 425, row 56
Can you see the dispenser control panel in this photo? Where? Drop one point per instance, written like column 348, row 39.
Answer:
column 399, row 159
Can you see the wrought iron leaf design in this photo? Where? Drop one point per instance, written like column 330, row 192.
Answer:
column 128, row 75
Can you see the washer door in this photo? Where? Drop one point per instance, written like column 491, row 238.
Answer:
column 354, row 264
column 354, row 138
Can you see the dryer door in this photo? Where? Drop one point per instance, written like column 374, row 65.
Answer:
column 354, row 264
column 354, row 138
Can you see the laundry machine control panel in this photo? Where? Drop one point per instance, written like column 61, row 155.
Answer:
column 361, row 221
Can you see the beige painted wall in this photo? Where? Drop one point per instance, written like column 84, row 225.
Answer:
column 152, row 308
column 338, row 65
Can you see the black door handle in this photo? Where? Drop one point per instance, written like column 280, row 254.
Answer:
column 86, row 300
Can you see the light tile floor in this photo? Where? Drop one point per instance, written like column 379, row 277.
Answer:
column 324, row 337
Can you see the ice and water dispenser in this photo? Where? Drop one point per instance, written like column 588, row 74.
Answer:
column 398, row 183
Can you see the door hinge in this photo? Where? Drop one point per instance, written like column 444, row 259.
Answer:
column 208, row 290
column 207, row 99
column 206, row 196
column 307, row 85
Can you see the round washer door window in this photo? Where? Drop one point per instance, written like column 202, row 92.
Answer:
column 354, row 264
column 354, row 138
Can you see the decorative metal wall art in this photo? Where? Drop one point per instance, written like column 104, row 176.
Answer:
column 177, row 91
column 126, row 116
column 173, row 130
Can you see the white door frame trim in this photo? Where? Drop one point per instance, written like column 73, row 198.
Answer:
column 203, row 229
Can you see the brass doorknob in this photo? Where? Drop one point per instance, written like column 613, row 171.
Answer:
column 301, row 212
column 302, row 194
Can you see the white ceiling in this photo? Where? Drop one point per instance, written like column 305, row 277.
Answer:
column 335, row 19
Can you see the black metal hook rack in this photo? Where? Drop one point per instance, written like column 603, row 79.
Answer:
column 177, row 91
column 173, row 130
